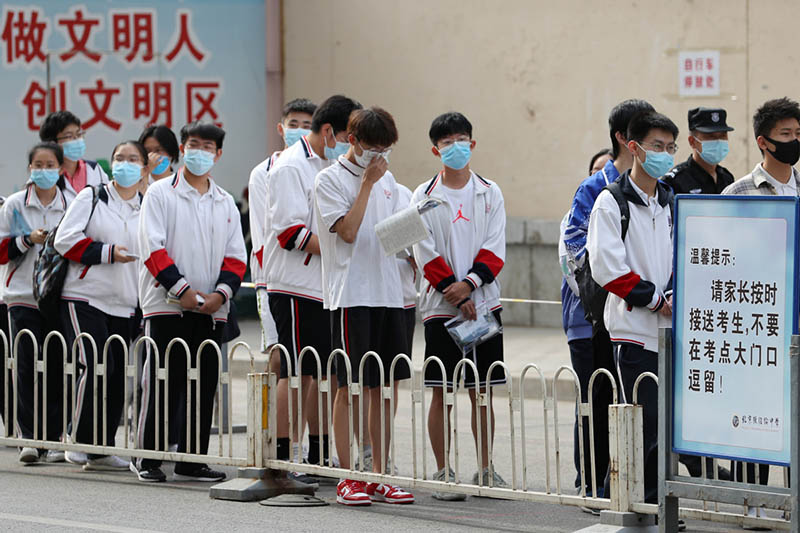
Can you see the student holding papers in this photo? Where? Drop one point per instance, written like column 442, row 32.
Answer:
column 466, row 242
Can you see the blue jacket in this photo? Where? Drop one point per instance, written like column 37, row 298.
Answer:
column 572, row 317
column 582, row 203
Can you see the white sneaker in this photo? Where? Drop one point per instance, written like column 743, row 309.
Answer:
column 755, row 513
column 108, row 462
column 497, row 481
column 28, row 455
column 447, row 496
column 76, row 458
column 54, row 456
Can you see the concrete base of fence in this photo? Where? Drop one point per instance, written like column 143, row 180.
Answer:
column 615, row 522
column 256, row 484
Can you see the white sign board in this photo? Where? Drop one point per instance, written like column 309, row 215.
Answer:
column 698, row 73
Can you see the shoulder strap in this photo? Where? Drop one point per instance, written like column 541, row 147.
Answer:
column 624, row 209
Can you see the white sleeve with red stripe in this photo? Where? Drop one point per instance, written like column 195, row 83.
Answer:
column 71, row 240
column 233, row 265
column 430, row 260
column 257, row 200
column 289, row 207
column 492, row 254
column 152, row 244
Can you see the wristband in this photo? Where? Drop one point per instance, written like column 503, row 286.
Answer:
column 462, row 302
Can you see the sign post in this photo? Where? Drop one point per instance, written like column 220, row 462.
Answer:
column 729, row 381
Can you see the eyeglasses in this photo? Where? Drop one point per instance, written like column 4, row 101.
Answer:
column 444, row 143
column 384, row 153
column 133, row 158
column 71, row 136
column 658, row 147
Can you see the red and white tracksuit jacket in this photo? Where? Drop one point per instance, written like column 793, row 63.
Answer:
column 17, row 252
column 89, row 243
column 433, row 254
column 188, row 240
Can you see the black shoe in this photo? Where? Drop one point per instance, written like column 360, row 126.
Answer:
column 200, row 473
column 150, row 475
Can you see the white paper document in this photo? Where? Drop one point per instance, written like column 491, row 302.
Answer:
column 405, row 228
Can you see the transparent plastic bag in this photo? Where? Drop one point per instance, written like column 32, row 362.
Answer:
column 468, row 334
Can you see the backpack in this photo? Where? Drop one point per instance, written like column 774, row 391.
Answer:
column 593, row 296
column 50, row 271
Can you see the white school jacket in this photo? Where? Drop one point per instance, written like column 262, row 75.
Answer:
column 637, row 273
column 290, row 200
column 17, row 252
column 93, row 276
column 259, row 218
column 95, row 175
column 433, row 254
column 188, row 240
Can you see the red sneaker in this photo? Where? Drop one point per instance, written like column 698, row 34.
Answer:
column 380, row 492
column 351, row 492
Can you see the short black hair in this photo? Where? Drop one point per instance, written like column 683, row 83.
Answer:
column 55, row 124
column 165, row 137
column 334, row 111
column 203, row 130
column 771, row 112
column 373, row 126
column 598, row 155
column 53, row 147
column 448, row 124
column 619, row 118
column 642, row 123
column 136, row 144
column 298, row 105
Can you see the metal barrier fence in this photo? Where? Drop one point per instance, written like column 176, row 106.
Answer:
column 626, row 471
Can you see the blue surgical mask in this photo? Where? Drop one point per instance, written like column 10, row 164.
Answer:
column 125, row 173
column 74, row 150
column 199, row 162
column 457, row 155
column 292, row 135
column 339, row 149
column 162, row 166
column 656, row 164
column 714, row 151
column 44, row 178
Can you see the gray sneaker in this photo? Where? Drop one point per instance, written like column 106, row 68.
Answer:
column 54, row 456
column 497, row 481
column 447, row 496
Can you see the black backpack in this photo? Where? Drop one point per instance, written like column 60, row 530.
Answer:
column 593, row 296
column 50, row 271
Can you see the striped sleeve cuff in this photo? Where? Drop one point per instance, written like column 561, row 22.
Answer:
column 23, row 244
column 474, row 280
column 225, row 291
column 656, row 303
column 302, row 238
column 107, row 254
column 179, row 288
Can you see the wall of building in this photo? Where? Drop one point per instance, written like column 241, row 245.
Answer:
column 537, row 79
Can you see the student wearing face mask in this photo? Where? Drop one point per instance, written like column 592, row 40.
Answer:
column 162, row 150
column 295, row 123
column 635, row 266
column 64, row 128
column 702, row 172
column 193, row 260
column 98, row 235
column 293, row 267
column 25, row 220
column 776, row 126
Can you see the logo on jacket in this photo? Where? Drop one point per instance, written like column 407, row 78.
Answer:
column 388, row 194
column 488, row 207
column 460, row 215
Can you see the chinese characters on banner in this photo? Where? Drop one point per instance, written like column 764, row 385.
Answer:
column 698, row 73
column 733, row 325
column 133, row 42
column 121, row 69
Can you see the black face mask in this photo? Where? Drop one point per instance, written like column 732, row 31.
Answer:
column 785, row 152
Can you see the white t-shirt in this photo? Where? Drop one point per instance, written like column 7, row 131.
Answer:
column 408, row 276
column 357, row 274
column 461, row 203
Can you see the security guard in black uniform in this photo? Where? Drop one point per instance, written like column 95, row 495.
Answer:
column 708, row 137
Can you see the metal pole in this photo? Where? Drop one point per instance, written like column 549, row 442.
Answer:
column 667, row 505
